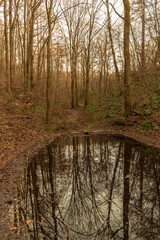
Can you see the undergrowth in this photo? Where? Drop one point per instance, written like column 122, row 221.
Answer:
column 148, row 124
column 145, row 97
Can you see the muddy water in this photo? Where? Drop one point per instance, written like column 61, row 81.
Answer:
column 91, row 187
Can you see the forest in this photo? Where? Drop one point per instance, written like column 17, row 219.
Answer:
column 78, row 66
column 79, row 52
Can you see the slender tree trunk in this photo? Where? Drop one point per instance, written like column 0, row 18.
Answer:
column 112, row 45
column 105, row 63
column 127, row 91
column 29, row 65
column 87, row 82
column 157, row 55
column 11, row 43
column 88, row 64
column 100, row 85
column 6, row 48
column 28, row 52
column 48, row 87
column 72, row 82
column 76, row 84
column 88, row 53
column 143, row 35
column 31, row 55
column 88, row 67
column 137, row 57
column 24, row 49
column 158, row 50
column 143, row 43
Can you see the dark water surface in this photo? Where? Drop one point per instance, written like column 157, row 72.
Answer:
column 91, row 187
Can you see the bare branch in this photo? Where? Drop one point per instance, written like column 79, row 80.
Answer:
column 116, row 11
column 1, row 2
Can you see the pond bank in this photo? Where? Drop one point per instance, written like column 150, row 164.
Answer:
column 23, row 133
column 13, row 171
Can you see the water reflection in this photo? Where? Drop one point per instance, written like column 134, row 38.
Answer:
column 91, row 187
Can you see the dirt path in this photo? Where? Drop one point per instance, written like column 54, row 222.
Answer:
column 72, row 115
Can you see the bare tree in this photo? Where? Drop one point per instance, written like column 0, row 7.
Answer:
column 74, row 19
column 12, row 21
column 92, row 31
column 143, row 35
column 6, row 46
column 111, row 42
column 24, row 46
column 32, row 8
column 156, row 11
column 49, row 39
column 127, row 94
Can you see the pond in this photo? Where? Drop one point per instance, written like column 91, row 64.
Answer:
column 91, row 187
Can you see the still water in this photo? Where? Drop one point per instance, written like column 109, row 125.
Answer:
column 91, row 187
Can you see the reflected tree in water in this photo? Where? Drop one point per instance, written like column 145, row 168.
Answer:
column 91, row 187
column 126, row 195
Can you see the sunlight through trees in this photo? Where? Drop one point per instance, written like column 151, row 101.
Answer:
column 78, row 52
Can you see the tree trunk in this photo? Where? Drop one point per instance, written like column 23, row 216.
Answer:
column 72, row 82
column 48, row 87
column 76, row 85
column 127, row 94
column 87, row 80
column 29, row 66
column 158, row 50
column 143, row 35
column 11, row 43
column 112, row 45
column 6, row 48
column 31, row 12
column 143, row 43
column 100, row 85
column 24, row 49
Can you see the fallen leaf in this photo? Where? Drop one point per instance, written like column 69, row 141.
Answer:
column 41, row 235
column 13, row 228
column 128, row 176
column 28, row 222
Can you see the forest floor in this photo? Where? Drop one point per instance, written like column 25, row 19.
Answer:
column 23, row 130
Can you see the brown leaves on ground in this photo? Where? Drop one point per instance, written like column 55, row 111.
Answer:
column 22, row 125
column 18, row 130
